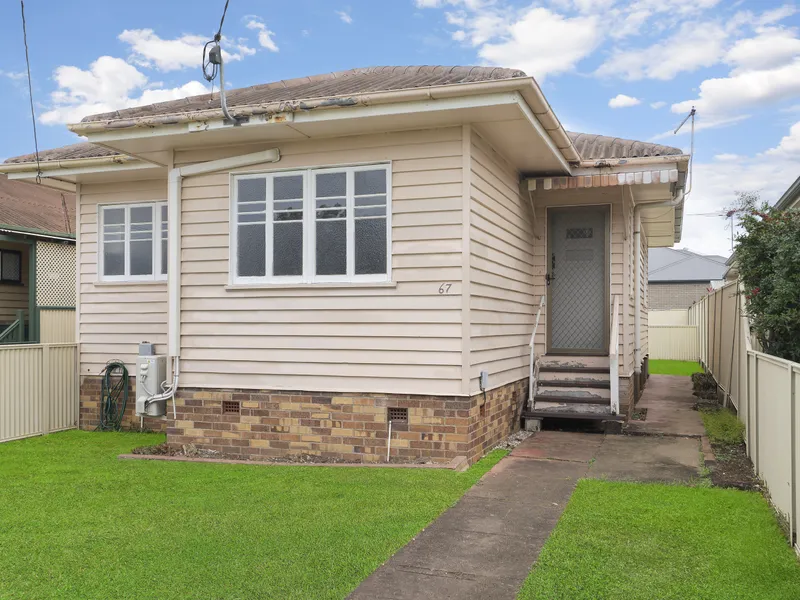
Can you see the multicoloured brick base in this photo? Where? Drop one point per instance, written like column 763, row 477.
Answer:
column 91, row 396
column 331, row 425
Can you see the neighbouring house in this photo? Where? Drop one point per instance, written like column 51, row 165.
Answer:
column 37, row 263
column 364, row 246
column 677, row 278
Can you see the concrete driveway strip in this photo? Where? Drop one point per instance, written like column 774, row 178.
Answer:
column 485, row 545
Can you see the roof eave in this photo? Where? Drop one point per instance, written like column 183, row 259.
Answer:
column 56, row 235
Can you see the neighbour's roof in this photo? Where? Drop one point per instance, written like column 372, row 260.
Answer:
column 600, row 147
column 791, row 197
column 340, row 85
column 673, row 265
column 28, row 206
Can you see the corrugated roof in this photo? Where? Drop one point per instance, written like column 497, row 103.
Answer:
column 328, row 85
column 667, row 265
column 602, row 147
column 31, row 206
column 71, row 152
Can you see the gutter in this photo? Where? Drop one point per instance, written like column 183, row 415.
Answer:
column 52, row 165
column 527, row 86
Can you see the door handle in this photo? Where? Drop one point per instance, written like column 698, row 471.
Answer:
column 552, row 274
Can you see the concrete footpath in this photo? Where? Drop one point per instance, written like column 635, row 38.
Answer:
column 485, row 546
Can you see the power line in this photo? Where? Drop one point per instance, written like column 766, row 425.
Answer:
column 30, row 91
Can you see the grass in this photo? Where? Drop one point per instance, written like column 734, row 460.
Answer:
column 646, row 541
column 722, row 426
column 76, row 522
column 674, row 367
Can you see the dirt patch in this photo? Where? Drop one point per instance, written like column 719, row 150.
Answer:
column 514, row 440
column 733, row 468
column 640, row 414
column 705, row 389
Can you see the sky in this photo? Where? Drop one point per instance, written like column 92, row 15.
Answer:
column 627, row 69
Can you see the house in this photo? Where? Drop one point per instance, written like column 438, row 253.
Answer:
column 37, row 263
column 677, row 278
column 366, row 246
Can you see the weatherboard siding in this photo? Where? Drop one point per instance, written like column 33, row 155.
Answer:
column 114, row 318
column 404, row 339
column 504, row 284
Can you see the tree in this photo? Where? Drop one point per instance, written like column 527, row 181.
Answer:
column 768, row 256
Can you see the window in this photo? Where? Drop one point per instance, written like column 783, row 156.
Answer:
column 10, row 266
column 133, row 242
column 312, row 226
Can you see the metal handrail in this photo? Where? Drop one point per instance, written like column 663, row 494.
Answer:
column 534, row 365
column 613, row 358
column 14, row 333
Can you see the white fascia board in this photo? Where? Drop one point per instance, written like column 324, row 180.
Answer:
column 633, row 167
column 531, row 117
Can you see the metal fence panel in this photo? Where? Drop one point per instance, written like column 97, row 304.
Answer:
column 38, row 389
column 674, row 342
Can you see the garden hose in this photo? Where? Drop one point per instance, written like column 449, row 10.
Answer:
column 114, row 397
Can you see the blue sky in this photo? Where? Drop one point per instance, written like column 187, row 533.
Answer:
column 628, row 69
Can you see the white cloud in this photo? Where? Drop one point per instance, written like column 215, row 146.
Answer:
column 459, row 35
column 345, row 16
column 109, row 84
column 789, row 145
column 264, row 35
column 703, row 122
column 151, row 51
column 771, row 48
column 692, row 46
column 13, row 75
column 623, row 101
column 658, row 104
column 745, row 89
column 541, row 42
column 727, row 157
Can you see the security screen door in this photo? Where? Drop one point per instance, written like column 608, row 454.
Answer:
column 577, row 275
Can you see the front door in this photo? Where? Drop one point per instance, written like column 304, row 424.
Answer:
column 577, row 280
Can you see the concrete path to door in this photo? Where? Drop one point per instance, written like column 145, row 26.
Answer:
column 485, row 546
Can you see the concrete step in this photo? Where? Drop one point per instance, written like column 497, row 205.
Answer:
column 572, row 411
column 589, row 389
column 564, row 399
column 579, row 362
column 573, row 375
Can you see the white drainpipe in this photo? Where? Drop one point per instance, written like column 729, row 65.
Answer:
column 637, row 241
column 175, row 178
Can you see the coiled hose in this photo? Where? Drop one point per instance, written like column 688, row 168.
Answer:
column 114, row 396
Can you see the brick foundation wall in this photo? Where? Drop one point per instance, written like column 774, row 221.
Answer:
column 91, row 396
column 627, row 398
column 346, row 426
column 666, row 296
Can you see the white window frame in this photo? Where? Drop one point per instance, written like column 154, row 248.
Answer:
column 309, row 275
column 157, row 275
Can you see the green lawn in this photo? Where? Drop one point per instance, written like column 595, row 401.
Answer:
column 650, row 541
column 76, row 522
column 674, row 367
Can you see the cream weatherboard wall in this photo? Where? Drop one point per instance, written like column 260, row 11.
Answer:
column 505, row 283
column 403, row 338
column 114, row 318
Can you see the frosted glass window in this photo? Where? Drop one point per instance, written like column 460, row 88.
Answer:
column 133, row 242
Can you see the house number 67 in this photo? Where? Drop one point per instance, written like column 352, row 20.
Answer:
column 445, row 288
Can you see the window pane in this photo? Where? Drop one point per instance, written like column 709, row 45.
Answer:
column 113, row 216
column 251, row 252
column 288, row 187
column 142, row 257
column 370, row 246
column 10, row 266
column 252, row 190
column 164, row 255
column 371, row 201
column 371, row 211
column 338, row 213
column 370, row 182
column 114, row 258
column 331, row 184
column 331, row 247
column 287, row 249
column 141, row 214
